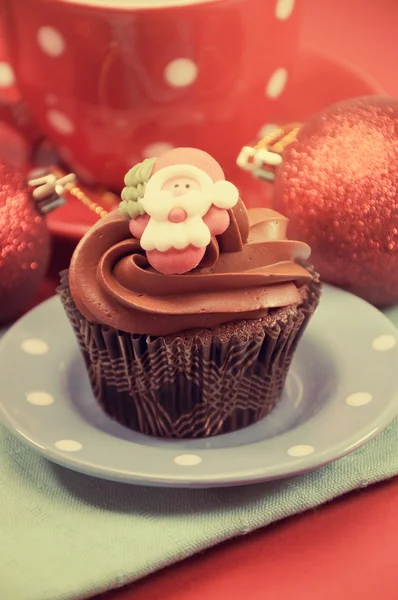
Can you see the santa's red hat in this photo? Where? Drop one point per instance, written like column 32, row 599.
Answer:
column 200, row 166
column 193, row 157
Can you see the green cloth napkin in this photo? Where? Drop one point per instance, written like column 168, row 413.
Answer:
column 65, row 535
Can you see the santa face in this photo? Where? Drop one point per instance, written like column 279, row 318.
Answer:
column 178, row 199
column 181, row 185
column 176, row 212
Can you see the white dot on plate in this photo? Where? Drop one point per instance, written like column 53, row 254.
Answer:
column 359, row 399
column 181, row 72
column 284, row 9
column 60, row 122
column 384, row 342
column 276, row 83
column 34, row 346
column 7, row 77
column 50, row 41
column 301, row 450
column 68, row 445
column 187, row 460
column 156, row 149
column 40, row 398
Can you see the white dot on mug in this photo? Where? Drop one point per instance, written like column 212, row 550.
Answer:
column 7, row 78
column 50, row 41
column 284, row 9
column 267, row 129
column 60, row 122
column 156, row 149
column 276, row 83
column 181, row 72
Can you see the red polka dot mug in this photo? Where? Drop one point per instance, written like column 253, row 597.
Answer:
column 114, row 81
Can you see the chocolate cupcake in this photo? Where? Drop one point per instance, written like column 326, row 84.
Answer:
column 187, row 307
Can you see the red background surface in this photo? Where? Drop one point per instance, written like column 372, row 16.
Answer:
column 349, row 548
column 363, row 32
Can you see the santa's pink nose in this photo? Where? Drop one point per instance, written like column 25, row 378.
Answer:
column 177, row 215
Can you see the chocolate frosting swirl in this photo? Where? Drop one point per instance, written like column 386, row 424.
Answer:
column 245, row 271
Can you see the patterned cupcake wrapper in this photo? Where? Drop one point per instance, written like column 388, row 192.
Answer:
column 185, row 388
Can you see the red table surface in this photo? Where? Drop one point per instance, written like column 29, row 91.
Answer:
column 347, row 549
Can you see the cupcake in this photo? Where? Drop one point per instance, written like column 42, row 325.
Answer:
column 187, row 307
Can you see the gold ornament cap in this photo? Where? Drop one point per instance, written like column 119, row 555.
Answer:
column 263, row 159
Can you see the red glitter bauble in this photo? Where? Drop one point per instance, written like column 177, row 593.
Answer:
column 338, row 185
column 24, row 244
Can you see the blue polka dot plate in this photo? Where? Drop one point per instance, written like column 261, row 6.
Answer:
column 342, row 390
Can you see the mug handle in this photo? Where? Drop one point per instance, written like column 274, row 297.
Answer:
column 20, row 135
column 8, row 87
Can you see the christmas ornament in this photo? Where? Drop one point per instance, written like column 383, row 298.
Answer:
column 24, row 238
column 177, row 204
column 336, row 179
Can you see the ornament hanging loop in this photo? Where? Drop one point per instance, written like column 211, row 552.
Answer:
column 263, row 159
column 49, row 190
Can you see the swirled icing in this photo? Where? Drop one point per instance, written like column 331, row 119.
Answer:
column 246, row 271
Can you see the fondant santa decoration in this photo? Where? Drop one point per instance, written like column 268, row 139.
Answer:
column 176, row 203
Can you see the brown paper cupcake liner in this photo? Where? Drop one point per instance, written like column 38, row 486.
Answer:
column 190, row 386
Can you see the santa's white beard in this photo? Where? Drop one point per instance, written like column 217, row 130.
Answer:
column 161, row 234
